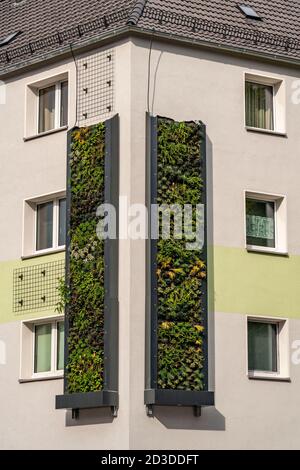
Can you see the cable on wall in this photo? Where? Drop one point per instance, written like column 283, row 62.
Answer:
column 76, row 86
column 149, row 73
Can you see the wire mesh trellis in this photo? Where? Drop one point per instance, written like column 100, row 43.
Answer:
column 95, row 86
column 36, row 287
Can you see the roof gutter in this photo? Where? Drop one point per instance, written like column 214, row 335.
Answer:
column 131, row 30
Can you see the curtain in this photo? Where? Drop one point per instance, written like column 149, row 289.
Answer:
column 47, row 109
column 44, row 235
column 259, row 106
column 260, row 219
column 64, row 104
column 42, row 356
column 60, row 345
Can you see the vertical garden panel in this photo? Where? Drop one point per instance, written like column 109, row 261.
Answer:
column 176, row 302
column 90, row 293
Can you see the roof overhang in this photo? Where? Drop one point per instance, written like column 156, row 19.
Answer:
column 134, row 31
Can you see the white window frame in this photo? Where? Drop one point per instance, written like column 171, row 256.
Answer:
column 279, row 102
column 283, row 359
column 29, row 235
column 280, row 220
column 27, row 350
column 31, row 122
column 54, row 333
column 55, row 233
column 57, row 110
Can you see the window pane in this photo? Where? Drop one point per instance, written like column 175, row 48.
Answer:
column 64, row 104
column 47, row 109
column 44, row 235
column 259, row 106
column 42, row 348
column 262, row 346
column 60, row 345
column 260, row 223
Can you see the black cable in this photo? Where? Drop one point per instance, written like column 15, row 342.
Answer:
column 76, row 86
column 149, row 74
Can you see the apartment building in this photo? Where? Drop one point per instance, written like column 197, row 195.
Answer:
column 111, row 76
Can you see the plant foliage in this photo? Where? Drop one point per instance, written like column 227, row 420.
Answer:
column 181, row 273
column 85, row 293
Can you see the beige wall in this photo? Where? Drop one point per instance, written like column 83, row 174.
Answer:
column 29, row 169
column 185, row 84
column 193, row 84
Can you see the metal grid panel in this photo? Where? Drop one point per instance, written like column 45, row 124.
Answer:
column 36, row 287
column 95, row 86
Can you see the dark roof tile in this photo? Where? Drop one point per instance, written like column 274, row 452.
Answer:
column 218, row 21
column 222, row 21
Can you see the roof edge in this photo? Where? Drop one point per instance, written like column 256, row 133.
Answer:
column 136, row 12
column 127, row 31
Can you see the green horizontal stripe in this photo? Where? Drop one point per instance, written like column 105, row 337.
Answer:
column 241, row 282
column 255, row 283
column 6, row 288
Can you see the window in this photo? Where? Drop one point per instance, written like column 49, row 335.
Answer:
column 266, row 223
column 268, row 348
column 264, row 104
column 262, row 346
column 259, row 106
column 249, row 12
column 51, row 224
column 47, row 105
column 8, row 39
column 48, row 348
column 53, row 107
column 260, row 223
column 44, row 224
column 42, row 349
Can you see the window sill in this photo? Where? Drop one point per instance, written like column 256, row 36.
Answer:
column 41, row 379
column 270, row 378
column 266, row 131
column 43, row 253
column 44, row 134
column 266, row 251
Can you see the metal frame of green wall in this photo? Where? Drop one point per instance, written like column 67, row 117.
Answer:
column 153, row 395
column 109, row 396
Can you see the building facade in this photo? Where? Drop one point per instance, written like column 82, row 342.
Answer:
column 76, row 66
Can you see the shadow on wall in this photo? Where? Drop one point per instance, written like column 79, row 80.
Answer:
column 90, row 417
column 182, row 418
column 210, row 262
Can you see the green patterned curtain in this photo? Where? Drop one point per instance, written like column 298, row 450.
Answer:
column 260, row 223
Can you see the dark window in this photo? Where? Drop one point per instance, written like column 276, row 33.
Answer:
column 260, row 223
column 262, row 346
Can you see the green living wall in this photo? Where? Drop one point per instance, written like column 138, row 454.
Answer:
column 85, row 276
column 181, row 273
